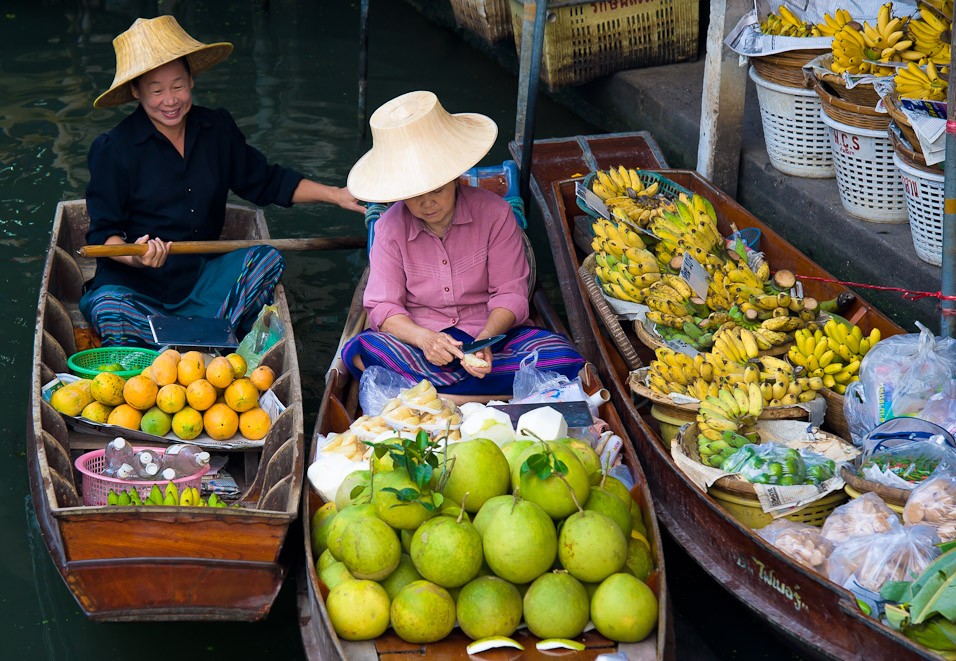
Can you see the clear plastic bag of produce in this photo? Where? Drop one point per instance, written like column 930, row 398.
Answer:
column 898, row 377
column 908, row 464
column 934, row 503
column 869, row 561
column 801, row 541
column 866, row 515
column 772, row 463
column 379, row 385
column 266, row 331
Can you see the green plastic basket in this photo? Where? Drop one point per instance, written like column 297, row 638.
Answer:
column 133, row 359
column 667, row 188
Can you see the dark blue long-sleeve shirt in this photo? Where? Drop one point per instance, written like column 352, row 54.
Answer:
column 139, row 184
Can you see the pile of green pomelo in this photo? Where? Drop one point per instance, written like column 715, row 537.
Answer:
column 486, row 537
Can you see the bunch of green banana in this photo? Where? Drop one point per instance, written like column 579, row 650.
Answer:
column 172, row 496
column 832, row 24
column 124, row 498
column 621, row 182
column 833, row 354
column 913, row 83
column 726, row 423
column 691, row 229
column 672, row 302
column 787, row 24
column 930, row 36
column 691, row 334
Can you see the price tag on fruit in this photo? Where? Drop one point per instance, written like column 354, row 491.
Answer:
column 695, row 275
column 592, row 200
column 681, row 347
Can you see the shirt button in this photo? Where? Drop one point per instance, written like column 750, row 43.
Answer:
column 192, row 211
column 446, row 288
column 444, row 261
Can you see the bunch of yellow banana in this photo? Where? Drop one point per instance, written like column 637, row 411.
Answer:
column 614, row 237
column 780, row 385
column 787, row 24
column 832, row 24
column 736, row 344
column 914, row 83
column 624, row 267
column 726, row 422
column 673, row 371
column 638, row 211
column 621, row 182
column 734, row 284
column 930, row 36
column 884, row 42
column 833, row 354
column 672, row 302
column 691, row 229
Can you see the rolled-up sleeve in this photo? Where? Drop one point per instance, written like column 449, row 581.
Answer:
column 508, row 269
column 252, row 177
column 386, row 289
column 107, row 195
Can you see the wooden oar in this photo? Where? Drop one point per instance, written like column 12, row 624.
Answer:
column 199, row 247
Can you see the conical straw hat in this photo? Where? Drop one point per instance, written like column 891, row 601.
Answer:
column 417, row 147
column 150, row 43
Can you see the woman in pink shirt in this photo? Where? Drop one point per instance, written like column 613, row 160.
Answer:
column 447, row 265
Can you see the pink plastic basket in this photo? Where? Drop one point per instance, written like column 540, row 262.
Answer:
column 96, row 486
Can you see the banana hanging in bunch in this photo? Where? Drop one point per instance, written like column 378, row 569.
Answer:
column 833, row 354
column 733, row 284
column 624, row 267
column 736, row 344
column 691, row 229
column 857, row 49
column 726, row 422
column 673, row 371
column 832, row 24
column 672, row 302
column 930, row 36
column 638, row 211
column 787, row 24
column 914, row 83
column 621, row 182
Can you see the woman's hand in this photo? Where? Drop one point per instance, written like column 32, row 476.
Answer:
column 440, row 348
column 155, row 256
column 476, row 371
column 343, row 198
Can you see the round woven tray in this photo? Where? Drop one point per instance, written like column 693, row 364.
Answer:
column 606, row 314
column 834, row 420
column 786, row 68
column 863, row 116
column 863, row 94
column 652, row 341
column 911, row 157
column 892, row 495
column 893, row 108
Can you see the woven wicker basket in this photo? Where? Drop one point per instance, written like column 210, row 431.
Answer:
column 835, row 421
column 652, row 341
column 489, row 19
column 863, row 94
column 785, row 68
column 910, row 155
column 606, row 314
column 893, row 108
column 848, row 112
column 892, row 495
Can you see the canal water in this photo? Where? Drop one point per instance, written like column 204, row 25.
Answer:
column 291, row 86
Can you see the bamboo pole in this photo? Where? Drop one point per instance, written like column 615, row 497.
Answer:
column 222, row 246
column 948, row 280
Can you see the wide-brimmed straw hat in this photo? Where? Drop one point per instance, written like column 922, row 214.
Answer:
column 417, row 147
column 150, row 43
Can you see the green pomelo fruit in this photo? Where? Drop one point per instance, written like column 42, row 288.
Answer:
column 552, row 493
column 637, row 518
column 324, row 560
column 639, row 562
column 422, row 612
column 383, row 464
column 370, row 549
column 556, row 606
column 359, row 478
column 156, row 421
column 624, row 609
column 341, row 521
column 605, row 502
column 512, row 451
column 591, row 546
column 404, row 574
column 590, row 588
column 320, row 531
column 618, row 488
column 334, row 574
column 451, row 508
column 398, row 514
column 586, row 455
column 359, row 610
column 488, row 509
column 446, row 552
column 406, row 537
column 478, row 468
column 520, row 542
column 489, row 606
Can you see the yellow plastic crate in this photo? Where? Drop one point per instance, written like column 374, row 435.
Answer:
column 584, row 42
column 488, row 19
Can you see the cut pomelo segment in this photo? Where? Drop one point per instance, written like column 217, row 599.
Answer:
column 558, row 644
column 492, row 642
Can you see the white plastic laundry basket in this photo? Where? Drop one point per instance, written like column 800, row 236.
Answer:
column 798, row 142
column 924, row 202
column 868, row 179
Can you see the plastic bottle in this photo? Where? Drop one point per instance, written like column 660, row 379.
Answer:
column 126, row 472
column 185, row 459
column 146, row 465
column 117, row 452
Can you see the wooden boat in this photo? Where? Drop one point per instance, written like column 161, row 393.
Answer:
column 338, row 409
column 158, row 563
column 813, row 613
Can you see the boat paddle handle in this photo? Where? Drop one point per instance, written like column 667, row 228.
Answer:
column 205, row 247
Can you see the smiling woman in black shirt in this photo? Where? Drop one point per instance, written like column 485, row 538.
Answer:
column 162, row 175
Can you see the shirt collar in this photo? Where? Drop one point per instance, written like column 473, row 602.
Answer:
column 462, row 214
column 143, row 127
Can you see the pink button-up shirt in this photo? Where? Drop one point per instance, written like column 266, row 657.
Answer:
column 457, row 280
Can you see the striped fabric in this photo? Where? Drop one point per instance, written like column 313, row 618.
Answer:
column 555, row 354
column 234, row 286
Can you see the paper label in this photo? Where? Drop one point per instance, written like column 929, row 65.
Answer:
column 695, row 275
column 682, row 347
column 592, row 200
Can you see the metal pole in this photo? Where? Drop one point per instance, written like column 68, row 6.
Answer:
column 529, row 70
column 948, row 284
column 363, row 67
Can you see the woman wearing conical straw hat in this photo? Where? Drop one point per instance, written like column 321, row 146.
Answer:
column 162, row 175
column 447, row 264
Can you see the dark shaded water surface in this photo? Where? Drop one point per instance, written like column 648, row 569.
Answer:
column 291, row 85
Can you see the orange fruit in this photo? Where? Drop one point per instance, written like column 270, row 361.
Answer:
column 219, row 372
column 147, row 372
column 70, row 400
column 262, row 377
column 107, row 388
column 126, row 416
column 239, row 365
column 173, row 354
column 97, row 412
column 171, row 398
column 241, row 395
column 140, row 392
column 221, row 422
column 187, row 423
column 191, row 368
column 164, row 370
column 254, row 424
column 200, row 394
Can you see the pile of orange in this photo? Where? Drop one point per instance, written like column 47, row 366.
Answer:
column 184, row 394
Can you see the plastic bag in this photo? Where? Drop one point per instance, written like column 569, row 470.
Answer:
column 377, row 386
column 872, row 560
column 934, row 503
column 908, row 464
column 898, row 378
column 772, row 463
column 866, row 515
column 265, row 332
column 801, row 541
column 533, row 385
